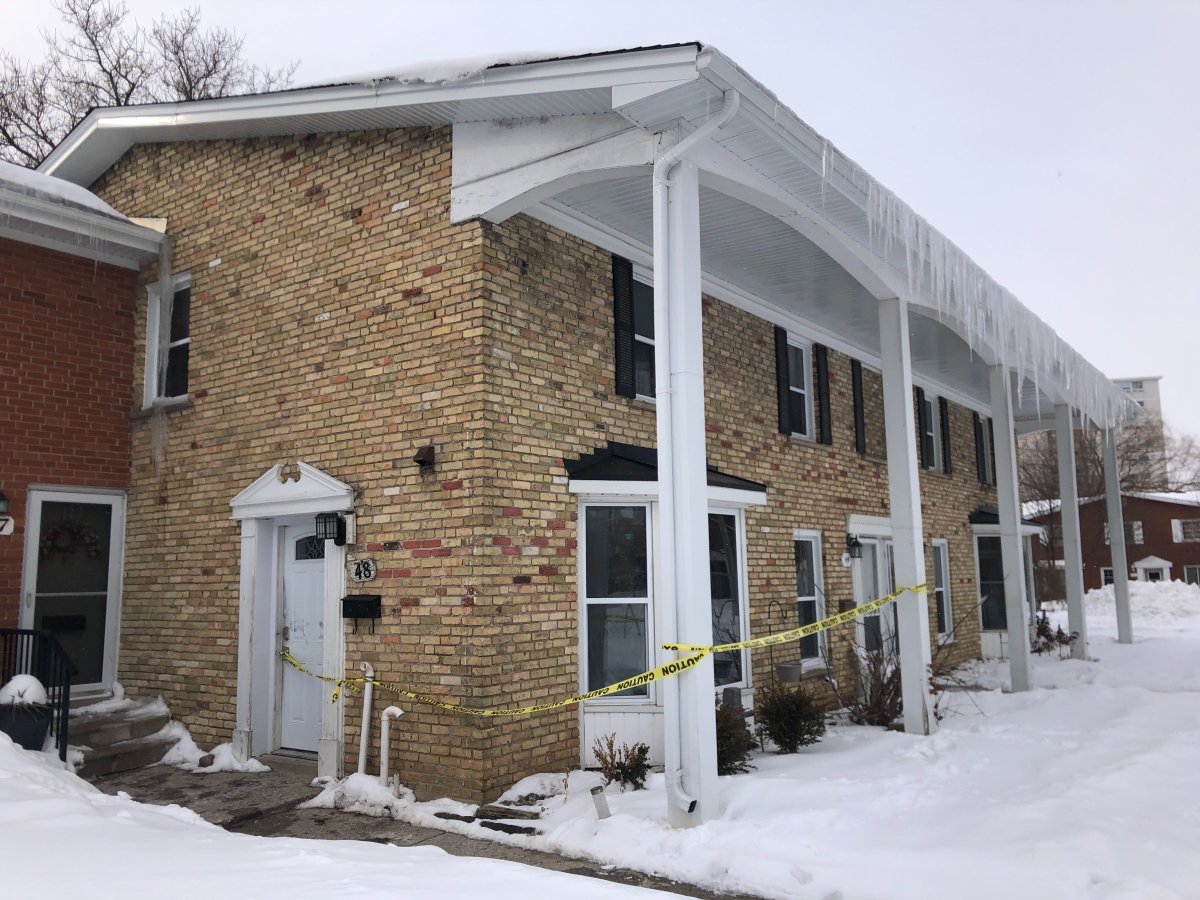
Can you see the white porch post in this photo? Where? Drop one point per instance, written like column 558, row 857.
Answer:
column 243, row 735
column 904, row 492
column 1011, row 551
column 684, row 591
column 1068, row 513
column 1116, row 538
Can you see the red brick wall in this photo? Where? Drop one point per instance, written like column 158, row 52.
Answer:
column 66, row 383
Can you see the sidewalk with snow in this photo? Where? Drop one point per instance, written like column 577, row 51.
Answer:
column 1082, row 788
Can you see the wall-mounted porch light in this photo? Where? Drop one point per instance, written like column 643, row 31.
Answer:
column 854, row 546
column 331, row 527
column 6, row 521
column 3, row 504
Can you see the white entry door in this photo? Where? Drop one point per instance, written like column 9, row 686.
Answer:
column 303, row 590
column 72, row 577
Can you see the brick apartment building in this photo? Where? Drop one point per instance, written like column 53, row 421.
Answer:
column 1162, row 538
column 427, row 308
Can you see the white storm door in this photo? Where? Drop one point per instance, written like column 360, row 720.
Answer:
column 877, row 630
column 303, row 600
column 74, row 547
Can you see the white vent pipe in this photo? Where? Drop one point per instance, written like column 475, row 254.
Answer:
column 392, row 712
column 364, row 736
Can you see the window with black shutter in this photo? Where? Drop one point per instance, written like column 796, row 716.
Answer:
column 985, row 459
column 929, row 429
column 824, row 413
column 860, row 419
column 944, row 421
column 633, row 326
column 794, row 388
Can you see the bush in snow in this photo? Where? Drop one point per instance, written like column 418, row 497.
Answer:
column 789, row 718
column 23, row 690
column 734, row 741
column 1048, row 638
column 624, row 764
column 879, row 701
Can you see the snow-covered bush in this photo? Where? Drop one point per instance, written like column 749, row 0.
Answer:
column 734, row 741
column 23, row 690
column 790, row 718
column 624, row 764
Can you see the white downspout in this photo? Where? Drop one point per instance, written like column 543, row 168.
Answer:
column 368, row 693
column 668, row 607
column 392, row 712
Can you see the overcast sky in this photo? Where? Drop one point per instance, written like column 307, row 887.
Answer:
column 1056, row 142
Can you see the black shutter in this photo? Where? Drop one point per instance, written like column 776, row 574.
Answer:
column 860, row 424
column 782, row 381
column 980, row 448
column 922, row 426
column 825, row 417
column 622, row 270
column 992, row 447
column 944, row 415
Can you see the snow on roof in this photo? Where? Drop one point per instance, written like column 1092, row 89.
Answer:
column 56, row 190
column 1034, row 509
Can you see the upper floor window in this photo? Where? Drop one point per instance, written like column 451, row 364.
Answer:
column 643, row 339
column 633, row 321
column 985, row 449
column 933, row 431
column 1133, row 533
column 168, row 343
column 794, row 385
column 1185, row 531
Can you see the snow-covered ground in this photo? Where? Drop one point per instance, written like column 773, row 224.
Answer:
column 59, row 834
column 1083, row 788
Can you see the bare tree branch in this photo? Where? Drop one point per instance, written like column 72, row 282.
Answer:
column 104, row 58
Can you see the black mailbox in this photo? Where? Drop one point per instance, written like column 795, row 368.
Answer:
column 362, row 606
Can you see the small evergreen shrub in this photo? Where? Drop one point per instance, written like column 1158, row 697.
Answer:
column 1046, row 638
column 789, row 718
column 625, row 765
column 734, row 741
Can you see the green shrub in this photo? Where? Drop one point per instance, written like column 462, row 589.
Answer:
column 789, row 718
column 734, row 741
column 625, row 765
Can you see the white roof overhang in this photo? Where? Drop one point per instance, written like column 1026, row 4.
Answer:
column 791, row 228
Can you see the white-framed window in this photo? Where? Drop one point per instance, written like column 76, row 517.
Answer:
column 727, row 571
column 800, row 405
column 941, row 589
column 1133, row 533
column 168, row 342
column 616, row 588
column 1191, row 574
column 810, row 592
column 1185, row 531
column 931, row 437
column 643, row 337
column 1106, row 575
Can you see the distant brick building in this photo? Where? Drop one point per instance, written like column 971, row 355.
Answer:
column 1162, row 538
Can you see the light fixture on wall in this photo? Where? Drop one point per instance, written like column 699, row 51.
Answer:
column 6, row 521
column 425, row 458
column 331, row 527
column 854, row 546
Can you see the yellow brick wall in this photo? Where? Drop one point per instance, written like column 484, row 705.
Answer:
column 338, row 317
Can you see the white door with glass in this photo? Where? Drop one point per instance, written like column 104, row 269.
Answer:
column 303, row 633
column 74, row 546
column 874, row 578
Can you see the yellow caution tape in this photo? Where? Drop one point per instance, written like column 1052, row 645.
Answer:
column 666, row 670
column 803, row 631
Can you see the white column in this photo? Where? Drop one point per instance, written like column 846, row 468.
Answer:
column 1068, row 493
column 684, row 594
column 1011, row 552
column 1116, row 538
column 904, row 492
column 243, row 735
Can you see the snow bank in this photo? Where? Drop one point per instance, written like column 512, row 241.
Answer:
column 1077, row 790
column 118, row 848
column 1165, row 604
column 364, row 794
column 187, row 755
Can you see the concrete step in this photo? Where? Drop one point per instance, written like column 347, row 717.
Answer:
column 115, row 728
column 125, row 755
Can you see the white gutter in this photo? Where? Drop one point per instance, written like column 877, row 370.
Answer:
column 668, row 606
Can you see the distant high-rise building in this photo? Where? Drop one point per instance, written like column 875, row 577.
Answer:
column 1143, row 390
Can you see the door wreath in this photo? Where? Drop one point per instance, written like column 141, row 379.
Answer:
column 66, row 537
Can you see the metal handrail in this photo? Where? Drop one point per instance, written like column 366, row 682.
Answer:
column 37, row 652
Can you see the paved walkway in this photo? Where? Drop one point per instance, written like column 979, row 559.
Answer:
column 265, row 805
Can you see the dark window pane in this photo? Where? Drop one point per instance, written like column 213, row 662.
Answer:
column 181, row 311
column 796, row 367
column 806, row 584
column 797, row 413
column 643, row 369
column 616, row 640
column 616, row 551
column 991, row 584
column 177, row 371
column 872, row 633
column 941, row 610
column 726, row 612
column 806, row 612
column 310, row 547
column 643, row 309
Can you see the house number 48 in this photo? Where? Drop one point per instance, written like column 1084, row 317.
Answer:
column 363, row 570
